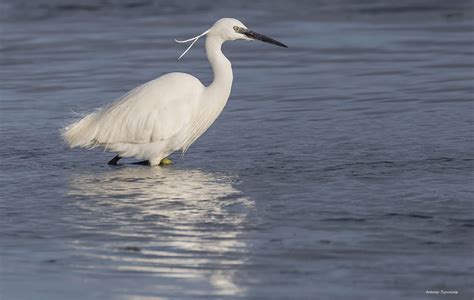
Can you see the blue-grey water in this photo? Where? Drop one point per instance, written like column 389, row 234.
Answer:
column 341, row 168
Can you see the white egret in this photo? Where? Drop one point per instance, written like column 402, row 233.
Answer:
column 168, row 113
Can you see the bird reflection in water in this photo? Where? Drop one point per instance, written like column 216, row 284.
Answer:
column 176, row 225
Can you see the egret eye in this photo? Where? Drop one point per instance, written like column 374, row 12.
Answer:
column 238, row 29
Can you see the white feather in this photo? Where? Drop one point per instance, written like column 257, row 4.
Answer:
column 194, row 39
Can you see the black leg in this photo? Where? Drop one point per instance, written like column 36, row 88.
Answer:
column 143, row 163
column 113, row 161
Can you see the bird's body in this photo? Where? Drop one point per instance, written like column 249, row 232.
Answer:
column 163, row 115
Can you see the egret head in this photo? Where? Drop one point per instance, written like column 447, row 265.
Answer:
column 229, row 29
column 232, row 29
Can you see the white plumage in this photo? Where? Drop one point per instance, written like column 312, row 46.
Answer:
column 168, row 113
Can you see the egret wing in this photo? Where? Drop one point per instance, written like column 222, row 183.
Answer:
column 154, row 111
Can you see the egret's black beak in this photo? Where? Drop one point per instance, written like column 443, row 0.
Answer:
column 258, row 36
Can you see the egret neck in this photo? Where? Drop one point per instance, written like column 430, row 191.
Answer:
column 219, row 89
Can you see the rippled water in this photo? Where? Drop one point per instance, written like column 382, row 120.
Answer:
column 341, row 167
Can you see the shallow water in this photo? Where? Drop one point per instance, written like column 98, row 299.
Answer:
column 341, row 167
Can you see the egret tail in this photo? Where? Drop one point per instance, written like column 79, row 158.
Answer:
column 81, row 133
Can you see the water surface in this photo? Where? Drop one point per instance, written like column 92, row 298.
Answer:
column 341, row 167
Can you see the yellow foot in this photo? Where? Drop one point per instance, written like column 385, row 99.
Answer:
column 166, row 161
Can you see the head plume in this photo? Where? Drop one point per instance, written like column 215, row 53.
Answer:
column 194, row 40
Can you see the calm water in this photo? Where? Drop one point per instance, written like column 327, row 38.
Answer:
column 341, row 167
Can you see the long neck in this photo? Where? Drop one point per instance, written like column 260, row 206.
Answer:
column 220, row 87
